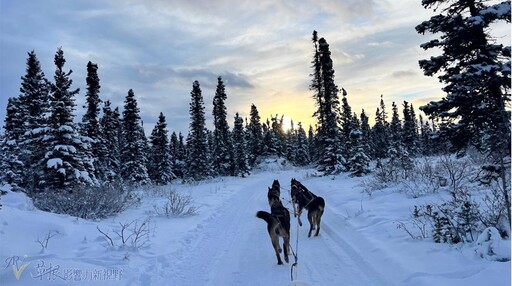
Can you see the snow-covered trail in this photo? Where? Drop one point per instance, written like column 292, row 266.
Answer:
column 232, row 247
column 225, row 244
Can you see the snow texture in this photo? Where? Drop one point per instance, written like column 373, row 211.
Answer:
column 225, row 244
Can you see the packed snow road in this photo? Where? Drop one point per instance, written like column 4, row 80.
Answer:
column 232, row 247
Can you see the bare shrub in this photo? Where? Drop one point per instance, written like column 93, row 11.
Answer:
column 424, row 179
column 459, row 171
column 419, row 226
column 89, row 202
column 135, row 233
column 44, row 241
column 177, row 206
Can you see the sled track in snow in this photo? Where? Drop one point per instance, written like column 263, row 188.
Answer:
column 232, row 247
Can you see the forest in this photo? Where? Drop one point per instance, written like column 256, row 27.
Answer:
column 90, row 166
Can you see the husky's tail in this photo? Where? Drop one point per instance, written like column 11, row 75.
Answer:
column 265, row 216
column 317, row 203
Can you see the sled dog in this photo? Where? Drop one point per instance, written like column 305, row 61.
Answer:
column 274, row 192
column 278, row 225
column 305, row 199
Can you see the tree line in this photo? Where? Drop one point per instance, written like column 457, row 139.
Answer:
column 43, row 148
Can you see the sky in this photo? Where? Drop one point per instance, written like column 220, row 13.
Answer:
column 262, row 49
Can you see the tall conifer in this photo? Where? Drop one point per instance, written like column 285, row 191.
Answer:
column 198, row 164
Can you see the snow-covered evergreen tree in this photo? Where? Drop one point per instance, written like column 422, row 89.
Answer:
column 12, row 167
column 34, row 95
column 198, row 165
column 133, row 150
column 302, row 153
column 222, row 155
column 66, row 162
column 160, row 161
column 475, row 69
column 32, row 114
column 255, row 136
column 366, row 133
column 425, row 138
column 278, row 136
column 90, row 125
column 312, row 145
column 178, row 154
column 359, row 162
column 270, row 142
column 380, row 133
column 326, row 96
column 398, row 154
column 290, row 146
column 346, row 124
column 110, row 134
column 240, row 162
column 409, row 130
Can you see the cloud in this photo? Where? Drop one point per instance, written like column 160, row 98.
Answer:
column 262, row 49
column 404, row 74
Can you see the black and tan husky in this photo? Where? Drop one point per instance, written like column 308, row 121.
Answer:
column 278, row 225
column 305, row 199
column 274, row 193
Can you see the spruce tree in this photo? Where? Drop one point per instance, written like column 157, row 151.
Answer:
column 398, row 154
column 316, row 83
column 425, row 138
column 34, row 94
column 160, row 161
column 255, row 136
column 366, row 133
column 380, row 134
column 359, row 161
column 240, row 162
column 474, row 69
column 222, row 154
column 110, row 133
column 198, row 165
column 312, row 145
column 32, row 114
column 270, row 142
column 178, row 154
column 12, row 168
column 133, row 153
column 291, row 143
column 67, row 160
column 90, row 125
column 346, row 123
column 181, row 156
column 302, row 154
column 326, row 95
column 278, row 136
column 90, row 121
column 476, row 73
column 409, row 131
column 173, row 150
column 395, row 130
